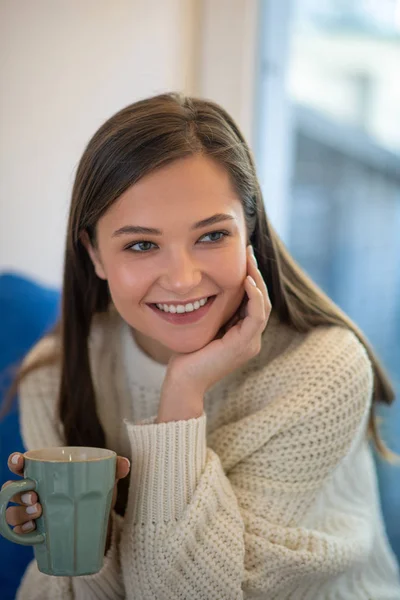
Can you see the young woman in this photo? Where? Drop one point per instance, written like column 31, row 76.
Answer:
column 241, row 395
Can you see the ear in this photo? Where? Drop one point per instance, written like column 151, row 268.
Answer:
column 94, row 256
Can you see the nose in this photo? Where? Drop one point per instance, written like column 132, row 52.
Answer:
column 181, row 274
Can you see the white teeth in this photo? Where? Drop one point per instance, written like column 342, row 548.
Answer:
column 181, row 308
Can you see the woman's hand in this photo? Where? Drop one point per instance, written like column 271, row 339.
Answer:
column 23, row 517
column 200, row 370
column 121, row 471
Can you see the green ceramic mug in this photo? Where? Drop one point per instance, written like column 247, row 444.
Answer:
column 75, row 488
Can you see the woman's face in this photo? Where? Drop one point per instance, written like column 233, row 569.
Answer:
column 179, row 264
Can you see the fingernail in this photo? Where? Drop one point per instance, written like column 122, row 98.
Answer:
column 27, row 525
column 26, row 498
column 253, row 255
column 249, row 277
column 31, row 510
column 15, row 459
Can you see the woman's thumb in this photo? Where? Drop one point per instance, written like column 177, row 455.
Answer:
column 123, row 467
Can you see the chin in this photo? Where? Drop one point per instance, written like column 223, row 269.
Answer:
column 188, row 346
column 186, row 342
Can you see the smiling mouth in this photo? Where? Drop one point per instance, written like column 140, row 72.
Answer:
column 158, row 304
column 186, row 317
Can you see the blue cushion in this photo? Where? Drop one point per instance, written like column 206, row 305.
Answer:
column 27, row 311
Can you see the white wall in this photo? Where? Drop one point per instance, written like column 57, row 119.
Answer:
column 228, row 47
column 68, row 66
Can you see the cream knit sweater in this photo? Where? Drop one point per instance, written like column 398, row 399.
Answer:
column 270, row 494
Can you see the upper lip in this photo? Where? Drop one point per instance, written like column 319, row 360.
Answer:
column 183, row 302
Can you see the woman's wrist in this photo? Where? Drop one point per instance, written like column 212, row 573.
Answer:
column 179, row 403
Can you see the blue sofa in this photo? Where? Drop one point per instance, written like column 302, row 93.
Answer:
column 27, row 311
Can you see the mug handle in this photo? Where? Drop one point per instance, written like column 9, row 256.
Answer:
column 25, row 539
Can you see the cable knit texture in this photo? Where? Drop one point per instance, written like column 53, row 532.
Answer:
column 270, row 494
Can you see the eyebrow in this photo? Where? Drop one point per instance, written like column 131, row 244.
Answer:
column 131, row 229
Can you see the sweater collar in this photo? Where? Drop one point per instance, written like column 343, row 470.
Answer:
column 142, row 369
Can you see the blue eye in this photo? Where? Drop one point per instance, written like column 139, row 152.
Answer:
column 223, row 234
column 137, row 244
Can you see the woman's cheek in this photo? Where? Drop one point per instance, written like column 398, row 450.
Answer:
column 125, row 281
column 233, row 273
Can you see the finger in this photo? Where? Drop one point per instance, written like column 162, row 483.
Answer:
column 122, row 474
column 123, row 467
column 16, row 463
column 25, row 498
column 255, row 272
column 258, row 278
column 18, row 515
column 255, row 320
column 29, row 526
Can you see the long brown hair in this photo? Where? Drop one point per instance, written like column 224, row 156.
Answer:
column 135, row 141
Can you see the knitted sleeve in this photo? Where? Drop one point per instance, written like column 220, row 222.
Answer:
column 40, row 428
column 225, row 523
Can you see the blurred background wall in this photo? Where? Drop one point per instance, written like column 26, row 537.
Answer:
column 315, row 87
column 66, row 66
column 343, row 81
